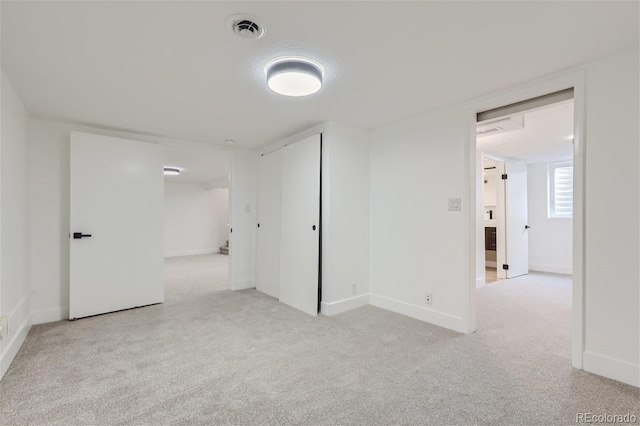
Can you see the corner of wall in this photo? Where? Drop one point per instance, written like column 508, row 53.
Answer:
column 335, row 308
column 15, row 286
column 20, row 322
column 242, row 219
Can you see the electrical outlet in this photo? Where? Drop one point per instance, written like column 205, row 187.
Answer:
column 354, row 288
column 4, row 327
column 428, row 299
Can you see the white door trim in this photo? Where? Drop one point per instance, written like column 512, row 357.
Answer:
column 575, row 79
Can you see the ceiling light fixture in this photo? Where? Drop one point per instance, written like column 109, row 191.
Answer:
column 294, row 76
column 172, row 171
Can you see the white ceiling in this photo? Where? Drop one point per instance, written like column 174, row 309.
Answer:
column 172, row 68
column 545, row 138
column 205, row 169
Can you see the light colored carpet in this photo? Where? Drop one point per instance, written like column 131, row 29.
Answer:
column 244, row 358
column 188, row 277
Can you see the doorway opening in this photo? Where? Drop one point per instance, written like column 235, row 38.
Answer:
column 196, row 224
column 526, row 190
column 525, row 211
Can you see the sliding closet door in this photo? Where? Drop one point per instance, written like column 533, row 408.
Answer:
column 268, row 231
column 300, row 234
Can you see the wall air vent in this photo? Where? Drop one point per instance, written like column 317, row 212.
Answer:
column 501, row 125
column 245, row 27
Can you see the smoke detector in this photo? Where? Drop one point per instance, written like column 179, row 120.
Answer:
column 245, row 27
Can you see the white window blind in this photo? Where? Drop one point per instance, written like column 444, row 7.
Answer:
column 561, row 190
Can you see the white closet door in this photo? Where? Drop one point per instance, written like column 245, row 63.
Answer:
column 268, row 231
column 117, row 247
column 300, row 236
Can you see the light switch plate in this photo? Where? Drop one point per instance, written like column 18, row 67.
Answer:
column 454, row 204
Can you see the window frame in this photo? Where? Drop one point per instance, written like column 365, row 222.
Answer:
column 552, row 212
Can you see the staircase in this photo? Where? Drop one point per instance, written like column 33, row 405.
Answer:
column 225, row 248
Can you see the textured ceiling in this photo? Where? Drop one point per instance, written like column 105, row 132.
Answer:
column 173, row 69
column 198, row 168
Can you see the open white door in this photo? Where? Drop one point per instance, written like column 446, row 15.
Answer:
column 268, row 231
column 516, row 220
column 300, row 233
column 116, row 255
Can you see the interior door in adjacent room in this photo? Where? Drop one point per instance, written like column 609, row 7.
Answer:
column 268, row 227
column 300, row 221
column 516, row 219
column 116, row 219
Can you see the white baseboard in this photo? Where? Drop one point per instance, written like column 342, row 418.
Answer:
column 20, row 320
column 554, row 269
column 44, row 316
column 481, row 282
column 432, row 316
column 612, row 368
column 243, row 285
column 192, row 252
column 335, row 308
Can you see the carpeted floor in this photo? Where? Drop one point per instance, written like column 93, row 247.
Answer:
column 189, row 277
column 222, row 357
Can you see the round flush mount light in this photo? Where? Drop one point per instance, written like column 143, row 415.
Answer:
column 172, row 171
column 294, row 76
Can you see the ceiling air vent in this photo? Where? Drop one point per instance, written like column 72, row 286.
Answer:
column 245, row 27
column 490, row 130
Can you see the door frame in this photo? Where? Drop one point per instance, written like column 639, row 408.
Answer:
column 197, row 147
column 567, row 80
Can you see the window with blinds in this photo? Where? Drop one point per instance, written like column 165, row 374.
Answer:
column 560, row 190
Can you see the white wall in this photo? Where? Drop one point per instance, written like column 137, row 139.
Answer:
column 220, row 200
column 193, row 219
column 417, row 245
column 49, row 165
column 242, row 239
column 49, row 175
column 612, row 277
column 15, row 287
column 550, row 239
column 418, row 163
column 345, row 218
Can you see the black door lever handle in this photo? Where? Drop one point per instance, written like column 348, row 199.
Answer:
column 79, row 235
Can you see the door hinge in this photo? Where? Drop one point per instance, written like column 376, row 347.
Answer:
column 505, row 267
column 504, row 176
